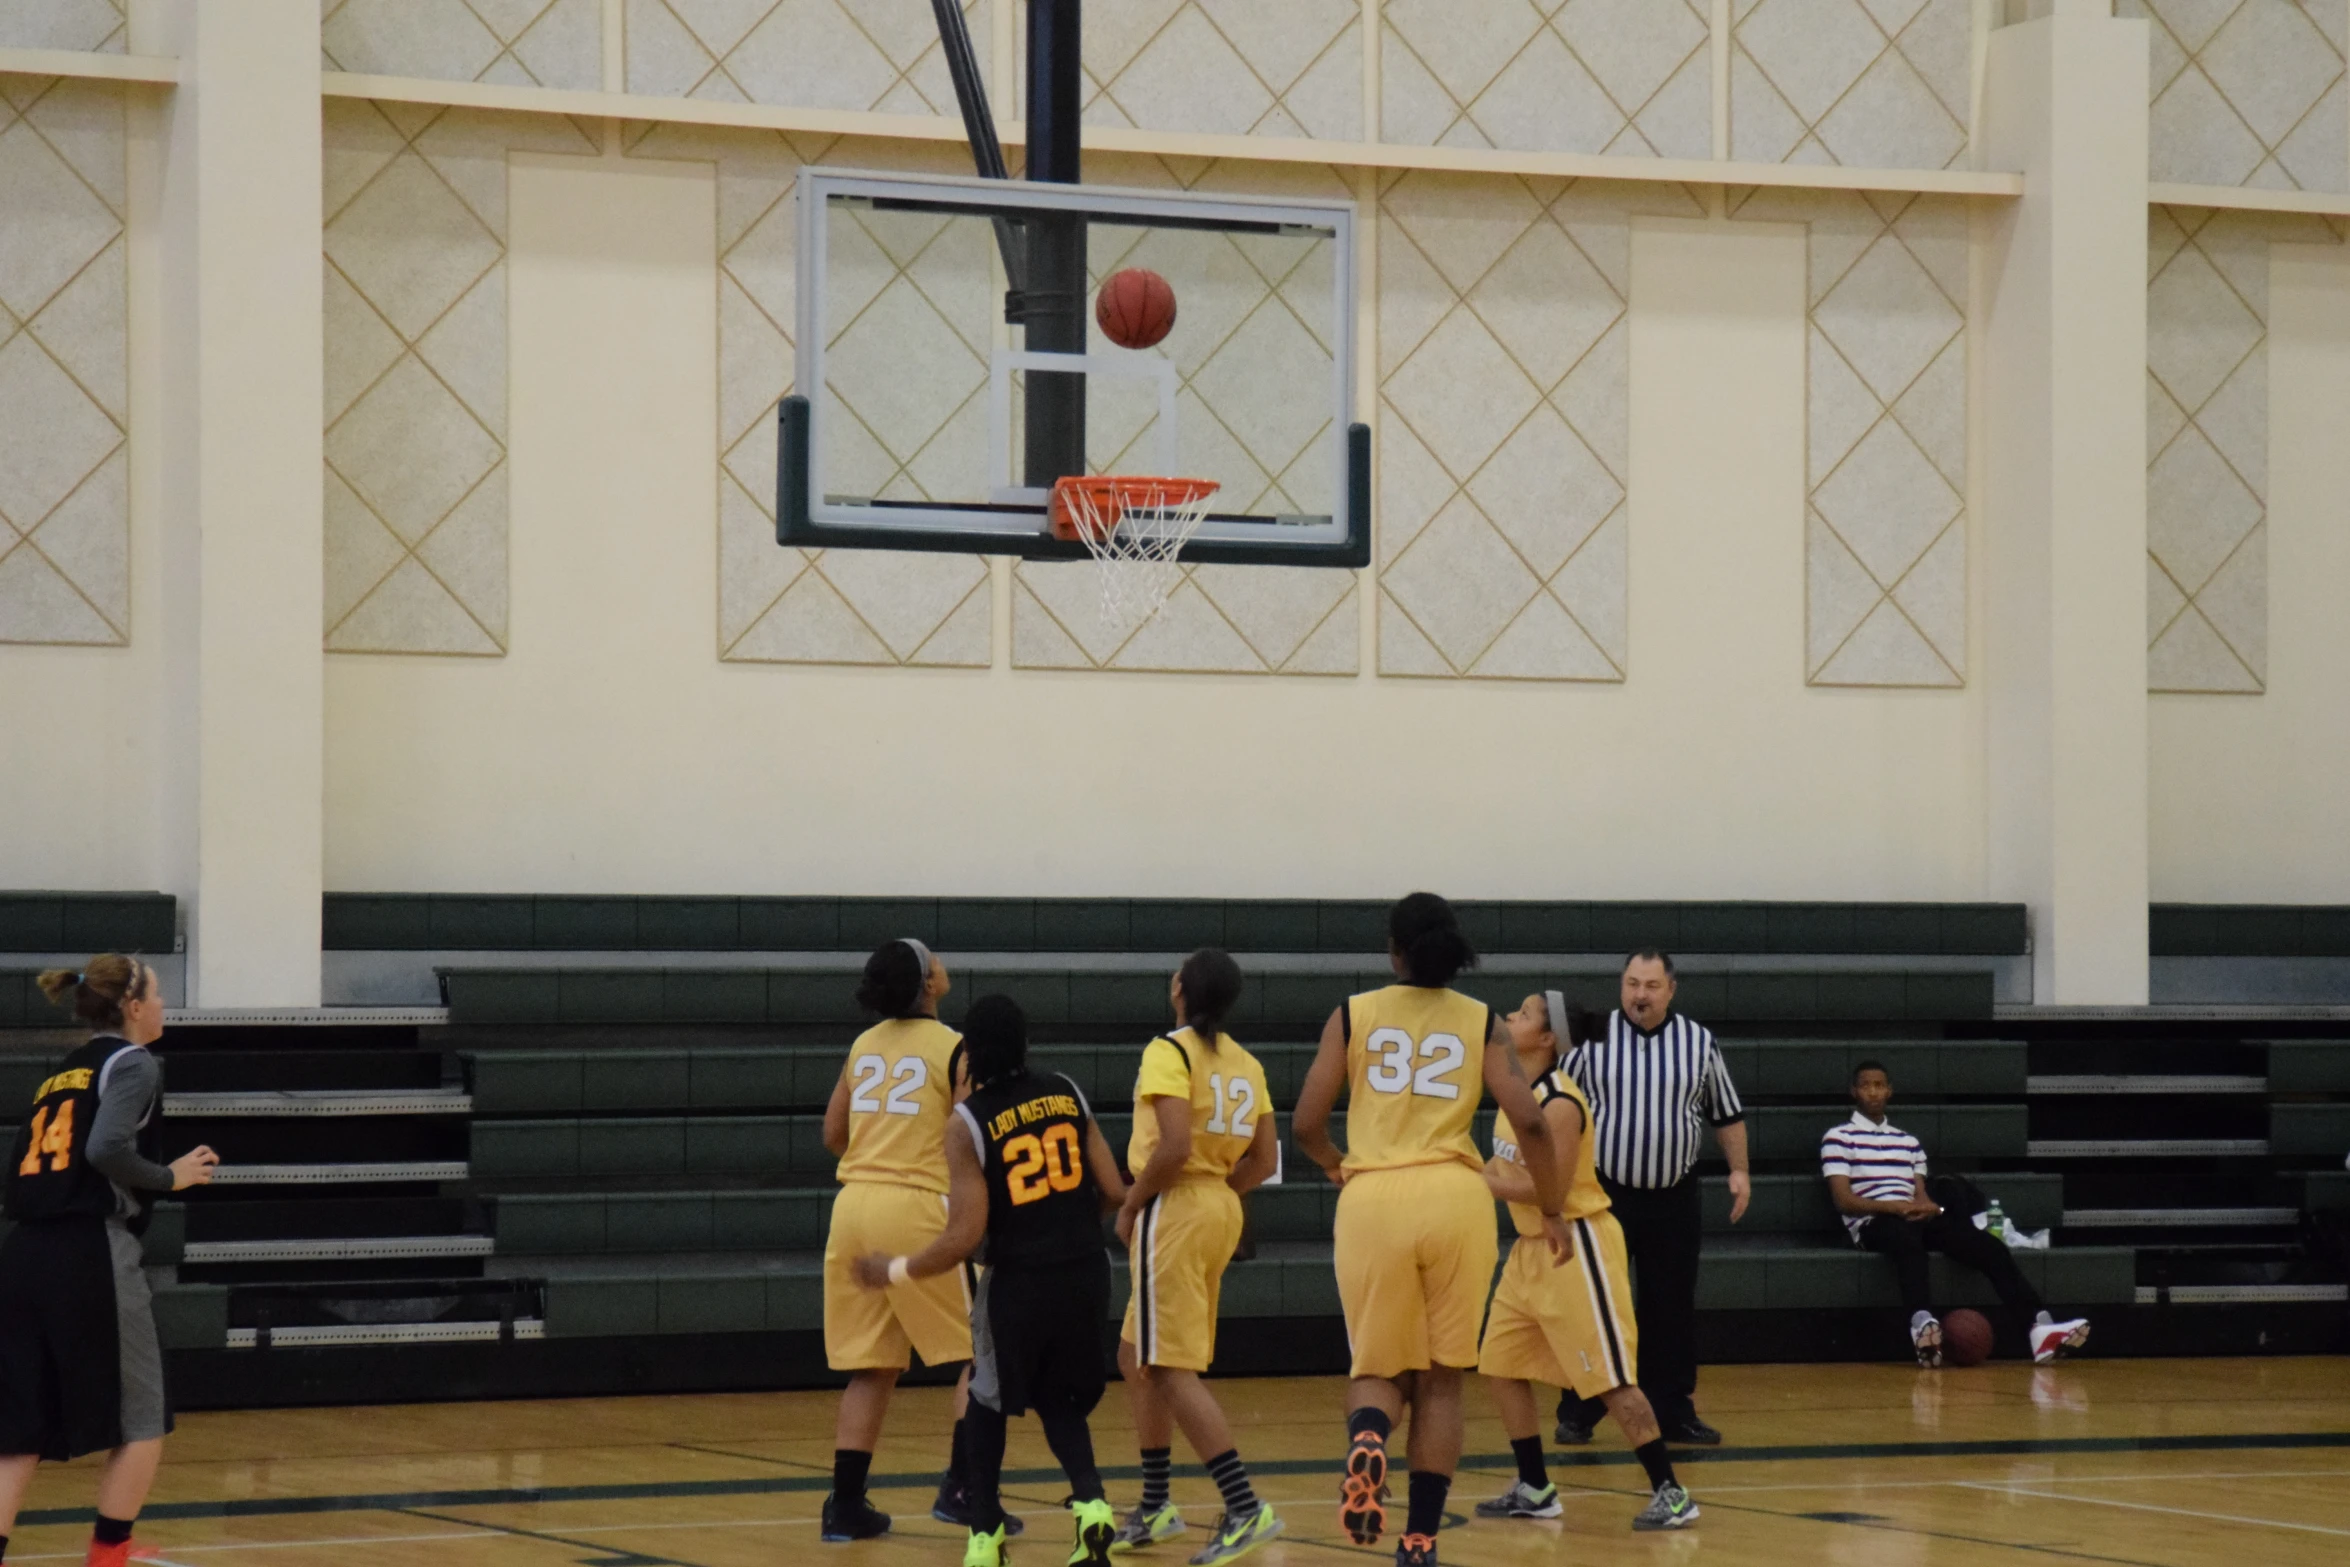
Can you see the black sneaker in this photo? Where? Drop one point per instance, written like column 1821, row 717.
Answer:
column 1693, row 1432
column 854, row 1520
column 1571, row 1432
column 954, row 1506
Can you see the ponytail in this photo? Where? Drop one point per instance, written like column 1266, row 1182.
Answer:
column 1426, row 934
column 1211, row 984
column 96, row 992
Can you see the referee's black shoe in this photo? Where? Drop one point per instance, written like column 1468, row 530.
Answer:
column 1693, row 1432
column 1571, row 1432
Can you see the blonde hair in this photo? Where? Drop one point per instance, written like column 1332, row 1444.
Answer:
column 98, row 991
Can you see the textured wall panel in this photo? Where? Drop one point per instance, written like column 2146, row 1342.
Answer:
column 518, row 43
column 1633, row 77
column 64, row 413
column 2247, row 92
column 1255, row 313
column 824, row 606
column 2207, row 444
column 415, row 247
column 1234, row 67
column 94, row 26
column 1869, row 83
column 1503, row 363
column 826, row 54
column 1886, row 417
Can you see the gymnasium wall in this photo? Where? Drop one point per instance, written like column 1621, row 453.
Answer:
column 1734, row 648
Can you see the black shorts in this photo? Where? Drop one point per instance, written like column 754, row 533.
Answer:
column 60, row 1363
column 1036, row 1336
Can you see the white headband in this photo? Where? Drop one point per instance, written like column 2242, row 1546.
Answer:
column 1556, row 1001
column 921, row 956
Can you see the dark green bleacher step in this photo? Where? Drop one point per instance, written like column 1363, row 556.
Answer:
column 1732, row 1277
column 1799, row 1205
column 2308, row 1066
column 88, row 922
column 2327, row 1191
column 1295, row 1005
column 1790, row 1134
column 2249, row 930
column 562, row 923
column 2306, row 1132
column 524, row 1082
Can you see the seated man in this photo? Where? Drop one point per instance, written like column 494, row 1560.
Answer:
column 1876, row 1173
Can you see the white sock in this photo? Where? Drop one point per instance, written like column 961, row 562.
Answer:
column 1917, row 1320
column 2042, row 1320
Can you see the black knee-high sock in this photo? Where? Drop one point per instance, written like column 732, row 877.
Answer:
column 1231, row 1477
column 1157, row 1462
column 3, row 1547
column 984, row 1452
column 1071, row 1440
column 1658, row 1461
column 959, row 1457
column 1528, row 1452
column 849, row 1469
column 110, row 1531
column 1427, row 1506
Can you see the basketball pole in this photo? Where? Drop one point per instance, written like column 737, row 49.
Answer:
column 1052, row 306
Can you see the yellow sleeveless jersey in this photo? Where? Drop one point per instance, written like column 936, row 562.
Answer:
column 1584, row 1196
column 1225, row 1088
column 901, row 1090
column 1415, row 1074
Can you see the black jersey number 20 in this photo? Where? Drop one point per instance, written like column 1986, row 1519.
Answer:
column 1036, row 1165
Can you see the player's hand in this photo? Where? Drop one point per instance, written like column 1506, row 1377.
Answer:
column 1562, row 1240
column 193, row 1168
column 1125, row 1224
column 872, row 1270
column 1921, row 1209
column 1741, row 1192
column 1336, row 1173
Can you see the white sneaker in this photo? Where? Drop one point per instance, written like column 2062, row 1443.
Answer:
column 1925, row 1332
column 2051, row 1339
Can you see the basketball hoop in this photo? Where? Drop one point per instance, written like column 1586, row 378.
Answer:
column 1135, row 529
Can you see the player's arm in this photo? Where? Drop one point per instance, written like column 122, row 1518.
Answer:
column 1506, row 1081
column 836, row 1114
column 966, row 1220
column 1319, row 1096
column 1256, row 1167
column 1104, row 1164
column 1166, row 1161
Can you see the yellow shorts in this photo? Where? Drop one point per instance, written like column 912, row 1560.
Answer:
column 1570, row 1326
column 1415, row 1254
column 866, row 1330
column 1181, row 1245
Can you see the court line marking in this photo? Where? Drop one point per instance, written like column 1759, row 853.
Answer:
column 2154, row 1507
column 407, row 1502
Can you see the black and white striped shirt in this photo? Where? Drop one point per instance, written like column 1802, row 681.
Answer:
column 1653, row 1096
column 1883, row 1163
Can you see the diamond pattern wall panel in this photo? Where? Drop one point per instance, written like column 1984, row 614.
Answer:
column 64, row 408
column 2247, row 92
column 93, row 26
column 1870, row 83
column 1503, row 447
column 1231, row 67
column 1632, row 77
column 2207, row 444
column 1886, row 417
column 824, row 54
column 821, row 606
column 1269, row 312
column 517, row 43
column 415, row 255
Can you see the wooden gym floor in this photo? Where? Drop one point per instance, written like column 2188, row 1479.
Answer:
column 2152, row 1463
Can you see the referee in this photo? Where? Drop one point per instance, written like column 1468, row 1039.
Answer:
column 1656, row 1081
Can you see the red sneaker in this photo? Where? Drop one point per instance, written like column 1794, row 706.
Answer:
column 1362, row 1508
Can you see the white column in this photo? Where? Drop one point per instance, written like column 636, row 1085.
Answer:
column 240, row 472
column 2065, row 528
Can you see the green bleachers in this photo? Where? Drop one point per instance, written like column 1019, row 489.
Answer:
column 2249, row 930
column 1790, row 1134
column 2308, row 1066
column 1741, row 1278
column 1798, row 1205
column 527, row 922
column 78, row 922
column 2309, row 1131
column 1274, row 1004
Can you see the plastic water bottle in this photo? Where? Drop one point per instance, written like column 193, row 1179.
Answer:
column 1995, row 1220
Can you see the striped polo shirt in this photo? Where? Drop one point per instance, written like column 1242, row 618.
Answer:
column 1882, row 1162
column 1653, row 1094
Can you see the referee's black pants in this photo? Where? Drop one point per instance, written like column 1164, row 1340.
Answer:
column 1661, row 1226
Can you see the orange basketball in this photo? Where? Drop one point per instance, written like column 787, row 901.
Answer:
column 1966, row 1338
column 1135, row 308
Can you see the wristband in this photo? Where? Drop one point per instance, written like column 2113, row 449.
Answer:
column 898, row 1271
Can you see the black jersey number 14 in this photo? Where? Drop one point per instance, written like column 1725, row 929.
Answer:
column 52, row 1136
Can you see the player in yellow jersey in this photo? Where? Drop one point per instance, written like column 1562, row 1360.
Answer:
column 887, row 1124
column 1571, row 1326
column 1415, row 1244
column 1203, row 1136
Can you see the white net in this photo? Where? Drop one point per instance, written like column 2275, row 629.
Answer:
column 1135, row 529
